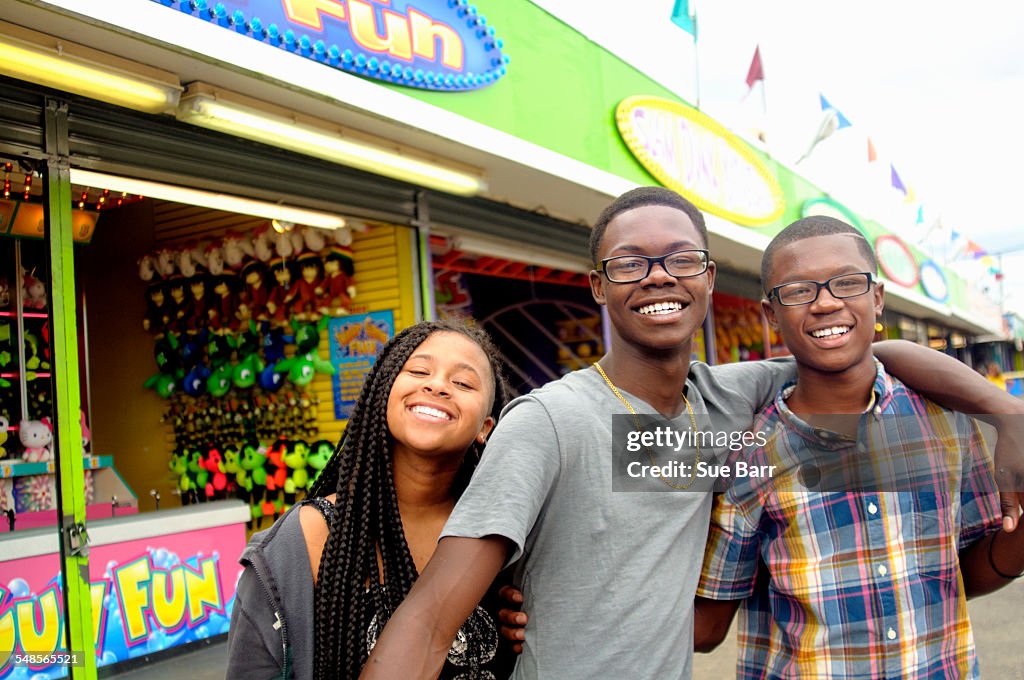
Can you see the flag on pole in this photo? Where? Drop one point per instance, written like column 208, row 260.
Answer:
column 684, row 16
column 756, row 70
column 872, row 154
column 825, row 106
column 895, row 180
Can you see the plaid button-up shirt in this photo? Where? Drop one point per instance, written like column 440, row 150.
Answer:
column 855, row 582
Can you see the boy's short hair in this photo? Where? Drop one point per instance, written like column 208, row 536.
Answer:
column 809, row 227
column 639, row 198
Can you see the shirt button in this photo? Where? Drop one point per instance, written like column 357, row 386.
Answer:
column 882, row 571
column 891, row 634
column 872, row 508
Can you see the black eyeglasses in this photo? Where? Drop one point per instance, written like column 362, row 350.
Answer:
column 806, row 292
column 632, row 268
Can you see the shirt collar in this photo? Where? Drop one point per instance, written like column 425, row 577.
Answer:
column 881, row 395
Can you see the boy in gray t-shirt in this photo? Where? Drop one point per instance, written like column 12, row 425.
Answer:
column 608, row 577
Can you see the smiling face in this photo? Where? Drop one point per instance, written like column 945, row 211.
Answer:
column 661, row 312
column 829, row 335
column 441, row 400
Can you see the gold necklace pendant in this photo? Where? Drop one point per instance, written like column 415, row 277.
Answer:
column 636, row 425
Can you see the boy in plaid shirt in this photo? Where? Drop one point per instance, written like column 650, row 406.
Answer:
column 856, row 559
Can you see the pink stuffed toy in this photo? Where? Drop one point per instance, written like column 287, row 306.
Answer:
column 36, row 436
column 34, row 293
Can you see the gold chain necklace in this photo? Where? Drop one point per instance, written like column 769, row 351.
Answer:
column 636, row 424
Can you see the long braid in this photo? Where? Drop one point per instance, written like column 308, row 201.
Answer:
column 366, row 510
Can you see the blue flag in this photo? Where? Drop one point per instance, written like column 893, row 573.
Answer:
column 684, row 18
column 825, row 106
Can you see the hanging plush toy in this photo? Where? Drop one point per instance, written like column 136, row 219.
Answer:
column 339, row 286
column 147, row 267
column 213, row 257
column 36, row 436
column 262, row 244
column 178, row 465
column 233, row 250
column 319, row 455
column 253, row 301
column 309, row 287
column 313, row 239
column 179, row 305
column 295, row 458
column 218, row 354
column 217, row 483
column 285, row 289
column 232, row 465
column 34, row 294
column 158, row 309
column 224, row 303
column 306, row 362
column 86, row 432
column 165, row 263
column 4, row 426
column 195, row 372
column 247, row 371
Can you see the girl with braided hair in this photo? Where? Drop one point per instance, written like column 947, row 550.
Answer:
column 321, row 583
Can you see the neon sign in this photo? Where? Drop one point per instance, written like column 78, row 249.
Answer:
column 427, row 44
column 148, row 603
column 692, row 154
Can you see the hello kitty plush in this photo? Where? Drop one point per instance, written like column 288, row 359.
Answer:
column 214, row 259
column 165, row 263
column 147, row 267
column 34, row 292
column 313, row 239
column 261, row 243
column 233, row 249
column 36, row 436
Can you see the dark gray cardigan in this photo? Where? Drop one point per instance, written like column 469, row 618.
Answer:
column 266, row 638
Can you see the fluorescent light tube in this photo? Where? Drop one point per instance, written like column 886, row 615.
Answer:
column 207, row 199
column 45, row 60
column 206, row 108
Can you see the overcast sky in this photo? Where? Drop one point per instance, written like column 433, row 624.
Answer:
column 937, row 85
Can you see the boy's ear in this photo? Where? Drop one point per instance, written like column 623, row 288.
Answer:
column 769, row 313
column 879, row 298
column 597, row 286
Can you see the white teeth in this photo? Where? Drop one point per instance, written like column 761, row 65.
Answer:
column 660, row 308
column 436, row 413
column 828, row 332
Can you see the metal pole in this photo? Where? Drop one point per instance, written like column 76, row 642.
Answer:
column 426, row 264
column 70, row 473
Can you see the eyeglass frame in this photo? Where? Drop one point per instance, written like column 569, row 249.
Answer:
column 651, row 261
column 827, row 283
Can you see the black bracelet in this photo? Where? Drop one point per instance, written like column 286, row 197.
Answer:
column 992, row 562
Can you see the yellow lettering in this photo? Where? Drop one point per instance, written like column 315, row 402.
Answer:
column 307, row 12
column 40, row 639
column 7, row 636
column 132, row 584
column 97, row 592
column 363, row 25
column 203, row 590
column 169, row 609
column 424, row 32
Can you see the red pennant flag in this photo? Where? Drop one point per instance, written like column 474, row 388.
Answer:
column 872, row 154
column 756, row 71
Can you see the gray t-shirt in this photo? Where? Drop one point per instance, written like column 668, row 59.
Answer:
column 608, row 578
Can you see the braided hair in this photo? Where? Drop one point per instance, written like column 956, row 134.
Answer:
column 366, row 516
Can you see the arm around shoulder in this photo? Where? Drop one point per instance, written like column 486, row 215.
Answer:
column 945, row 380
column 415, row 641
